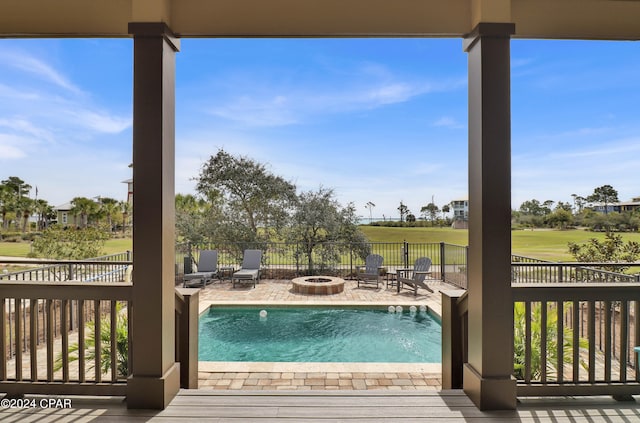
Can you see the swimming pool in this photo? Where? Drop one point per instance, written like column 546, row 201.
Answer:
column 318, row 335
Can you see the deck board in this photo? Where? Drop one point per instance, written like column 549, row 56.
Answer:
column 327, row 406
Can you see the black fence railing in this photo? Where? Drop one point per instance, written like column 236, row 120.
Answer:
column 289, row 260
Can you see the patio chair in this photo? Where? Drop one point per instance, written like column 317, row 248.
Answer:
column 418, row 273
column 370, row 272
column 250, row 270
column 207, row 269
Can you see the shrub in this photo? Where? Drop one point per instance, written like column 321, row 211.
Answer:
column 70, row 244
column 519, row 339
column 122, row 345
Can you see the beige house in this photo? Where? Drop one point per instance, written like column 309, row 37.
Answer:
column 65, row 217
column 484, row 27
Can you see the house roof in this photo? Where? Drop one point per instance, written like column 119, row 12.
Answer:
column 63, row 207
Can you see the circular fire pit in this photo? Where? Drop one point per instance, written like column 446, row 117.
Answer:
column 318, row 285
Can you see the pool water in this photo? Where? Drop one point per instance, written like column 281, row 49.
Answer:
column 318, row 335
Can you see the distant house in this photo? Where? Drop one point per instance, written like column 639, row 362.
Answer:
column 620, row 207
column 460, row 213
column 64, row 217
column 129, row 183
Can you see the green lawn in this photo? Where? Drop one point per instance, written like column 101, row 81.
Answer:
column 542, row 244
column 22, row 249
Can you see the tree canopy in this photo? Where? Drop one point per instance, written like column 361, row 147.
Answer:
column 252, row 196
column 321, row 226
column 605, row 194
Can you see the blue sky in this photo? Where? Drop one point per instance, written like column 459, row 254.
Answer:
column 380, row 120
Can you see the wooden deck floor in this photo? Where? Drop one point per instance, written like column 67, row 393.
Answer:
column 325, row 407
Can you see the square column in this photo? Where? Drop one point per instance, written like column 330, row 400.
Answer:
column 156, row 377
column 487, row 376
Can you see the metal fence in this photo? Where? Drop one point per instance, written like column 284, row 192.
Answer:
column 108, row 268
column 289, row 260
column 530, row 270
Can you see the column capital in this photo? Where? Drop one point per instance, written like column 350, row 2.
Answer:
column 488, row 29
column 154, row 29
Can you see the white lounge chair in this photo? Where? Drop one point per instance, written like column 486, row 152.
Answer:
column 207, row 269
column 418, row 273
column 370, row 272
column 250, row 270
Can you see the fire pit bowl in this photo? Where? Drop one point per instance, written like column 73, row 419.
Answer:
column 318, row 285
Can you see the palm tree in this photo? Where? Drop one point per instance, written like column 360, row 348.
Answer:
column 370, row 206
column 109, row 207
column 552, row 347
column 84, row 207
column 18, row 191
column 45, row 213
column 27, row 206
column 7, row 201
column 125, row 207
column 121, row 344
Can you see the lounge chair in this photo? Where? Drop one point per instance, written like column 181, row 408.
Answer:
column 418, row 273
column 370, row 272
column 250, row 270
column 207, row 269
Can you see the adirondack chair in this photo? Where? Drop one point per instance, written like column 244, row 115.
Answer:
column 418, row 273
column 370, row 273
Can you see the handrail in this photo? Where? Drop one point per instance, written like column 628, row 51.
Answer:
column 61, row 315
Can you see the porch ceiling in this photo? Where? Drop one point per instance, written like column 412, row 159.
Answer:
column 584, row 19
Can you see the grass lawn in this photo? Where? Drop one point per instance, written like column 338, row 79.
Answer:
column 22, row 249
column 543, row 244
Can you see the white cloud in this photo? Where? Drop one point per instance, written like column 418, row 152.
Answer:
column 274, row 111
column 448, row 122
column 99, row 121
column 32, row 65
column 10, row 152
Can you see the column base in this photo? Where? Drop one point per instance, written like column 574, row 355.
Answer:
column 489, row 393
column 148, row 392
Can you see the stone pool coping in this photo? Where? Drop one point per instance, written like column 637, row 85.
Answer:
column 314, row 376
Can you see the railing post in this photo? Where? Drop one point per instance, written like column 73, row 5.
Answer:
column 452, row 343
column 187, row 300
column 560, row 275
column 70, row 277
column 405, row 253
column 442, row 261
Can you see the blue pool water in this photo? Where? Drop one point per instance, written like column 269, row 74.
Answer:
column 318, row 335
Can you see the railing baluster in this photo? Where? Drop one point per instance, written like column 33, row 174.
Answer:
column 3, row 334
column 98, row 344
column 607, row 341
column 591, row 335
column 527, row 344
column 64, row 330
column 33, row 335
column 114, row 340
column 24, row 325
column 624, row 339
column 636, row 340
column 81, row 342
column 543, row 341
column 10, row 326
column 576, row 341
column 560, row 341
column 130, row 340
column 18, row 323
column 50, row 323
